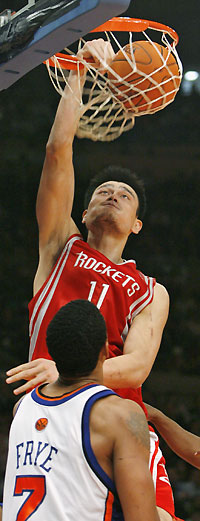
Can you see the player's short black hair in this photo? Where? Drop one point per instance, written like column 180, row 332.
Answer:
column 75, row 337
column 117, row 173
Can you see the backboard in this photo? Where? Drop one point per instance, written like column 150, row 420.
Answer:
column 44, row 27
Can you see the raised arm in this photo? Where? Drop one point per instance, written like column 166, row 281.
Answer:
column 182, row 442
column 141, row 345
column 56, row 189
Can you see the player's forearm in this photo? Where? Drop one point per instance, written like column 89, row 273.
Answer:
column 132, row 368
column 67, row 115
column 56, row 189
column 183, row 443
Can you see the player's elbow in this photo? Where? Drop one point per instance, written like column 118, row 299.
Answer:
column 137, row 379
column 138, row 372
column 132, row 378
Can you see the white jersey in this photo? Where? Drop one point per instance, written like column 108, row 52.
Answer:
column 52, row 473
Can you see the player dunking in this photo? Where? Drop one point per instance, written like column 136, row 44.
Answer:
column 134, row 306
column 71, row 442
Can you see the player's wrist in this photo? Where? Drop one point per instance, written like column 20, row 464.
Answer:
column 76, row 83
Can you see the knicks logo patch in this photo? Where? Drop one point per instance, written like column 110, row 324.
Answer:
column 41, row 424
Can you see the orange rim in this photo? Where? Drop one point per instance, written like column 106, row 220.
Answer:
column 119, row 23
column 66, row 61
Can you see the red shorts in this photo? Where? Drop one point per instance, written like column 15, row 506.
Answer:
column 164, row 494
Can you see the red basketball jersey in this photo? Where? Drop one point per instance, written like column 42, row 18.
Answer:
column 119, row 291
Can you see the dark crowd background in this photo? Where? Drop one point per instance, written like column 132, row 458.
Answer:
column 164, row 150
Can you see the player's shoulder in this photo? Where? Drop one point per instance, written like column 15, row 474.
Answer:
column 18, row 403
column 160, row 301
column 161, row 292
column 116, row 411
column 125, row 420
column 124, row 408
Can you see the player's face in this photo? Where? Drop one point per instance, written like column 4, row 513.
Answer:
column 113, row 204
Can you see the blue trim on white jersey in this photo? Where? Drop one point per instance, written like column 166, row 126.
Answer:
column 117, row 514
column 51, row 401
column 87, row 448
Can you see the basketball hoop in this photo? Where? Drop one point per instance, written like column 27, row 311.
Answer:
column 111, row 101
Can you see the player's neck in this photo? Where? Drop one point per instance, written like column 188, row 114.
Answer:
column 110, row 246
column 66, row 385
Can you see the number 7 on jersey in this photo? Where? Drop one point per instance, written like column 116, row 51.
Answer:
column 36, row 487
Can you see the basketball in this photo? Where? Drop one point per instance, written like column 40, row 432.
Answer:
column 154, row 76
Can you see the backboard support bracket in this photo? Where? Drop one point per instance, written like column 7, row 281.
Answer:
column 52, row 37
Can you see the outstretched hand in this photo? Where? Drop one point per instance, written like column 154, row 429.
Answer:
column 35, row 373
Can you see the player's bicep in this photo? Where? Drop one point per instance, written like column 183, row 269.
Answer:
column 134, row 432
column 147, row 327
column 131, row 484
column 132, row 437
column 131, row 472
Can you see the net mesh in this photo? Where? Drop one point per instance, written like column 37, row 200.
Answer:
column 104, row 117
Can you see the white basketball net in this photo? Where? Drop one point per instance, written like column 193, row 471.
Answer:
column 104, row 117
